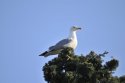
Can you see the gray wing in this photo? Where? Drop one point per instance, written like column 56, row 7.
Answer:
column 60, row 44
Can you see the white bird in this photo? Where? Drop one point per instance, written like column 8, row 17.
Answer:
column 71, row 42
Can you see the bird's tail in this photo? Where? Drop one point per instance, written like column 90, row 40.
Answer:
column 44, row 54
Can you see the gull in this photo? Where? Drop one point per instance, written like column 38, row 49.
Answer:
column 70, row 42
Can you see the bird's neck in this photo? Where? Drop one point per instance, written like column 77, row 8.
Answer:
column 72, row 35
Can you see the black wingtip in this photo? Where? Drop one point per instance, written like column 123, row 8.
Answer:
column 43, row 54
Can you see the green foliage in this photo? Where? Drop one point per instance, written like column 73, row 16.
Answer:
column 122, row 79
column 71, row 68
column 112, row 65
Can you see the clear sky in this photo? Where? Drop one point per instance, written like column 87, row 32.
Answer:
column 29, row 27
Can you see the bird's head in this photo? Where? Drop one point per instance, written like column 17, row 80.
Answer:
column 75, row 28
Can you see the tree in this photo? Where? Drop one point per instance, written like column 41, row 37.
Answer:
column 122, row 79
column 71, row 68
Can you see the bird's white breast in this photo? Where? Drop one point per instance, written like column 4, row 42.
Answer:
column 73, row 38
column 72, row 44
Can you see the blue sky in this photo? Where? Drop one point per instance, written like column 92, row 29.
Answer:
column 29, row 27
